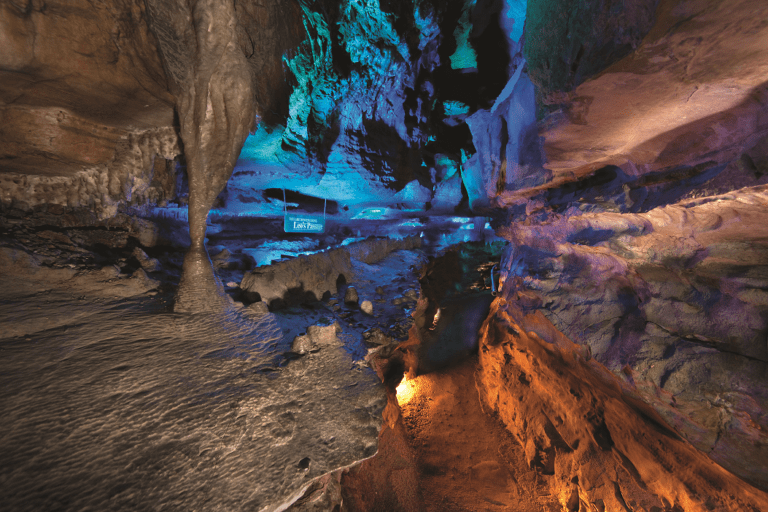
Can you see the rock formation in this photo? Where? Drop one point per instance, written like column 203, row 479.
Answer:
column 620, row 148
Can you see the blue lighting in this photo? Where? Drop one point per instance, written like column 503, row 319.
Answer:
column 374, row 213
column 455, row 108
column 464, row 57
column 513, row 19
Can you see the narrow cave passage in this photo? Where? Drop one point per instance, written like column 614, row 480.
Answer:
column 384, row 255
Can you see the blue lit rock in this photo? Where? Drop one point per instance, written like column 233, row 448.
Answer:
column 307, row 278
column 364, row 111
column 506, row 137
column 672, row 301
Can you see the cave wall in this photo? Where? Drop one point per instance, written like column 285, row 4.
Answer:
column 84, row 106
column 646, row 247
column 634, row 195
column 362, row 101
column 384, row 98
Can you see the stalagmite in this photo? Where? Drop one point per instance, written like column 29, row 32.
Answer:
column 204, row 44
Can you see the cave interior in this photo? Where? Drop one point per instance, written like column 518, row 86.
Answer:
column 384, row 255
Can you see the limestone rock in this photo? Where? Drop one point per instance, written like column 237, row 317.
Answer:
column 303, row 345
column 235, row 408
column 350, row 296
column 583, row 36
column 307, row 277
column 317, row 337
column 147, row 263
column 668, row 300
column 580, row 425
column 376, row 337
column 258, row 308
column 603, row 122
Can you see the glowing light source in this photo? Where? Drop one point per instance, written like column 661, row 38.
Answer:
column 406, row 390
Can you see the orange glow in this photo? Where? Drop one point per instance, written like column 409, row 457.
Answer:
column 406, row 390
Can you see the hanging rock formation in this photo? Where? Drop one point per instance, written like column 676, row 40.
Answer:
column 213, row 53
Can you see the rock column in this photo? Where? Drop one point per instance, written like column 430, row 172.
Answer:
column 211, row 80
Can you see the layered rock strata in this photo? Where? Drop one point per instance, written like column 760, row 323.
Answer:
column 308, row 277
column 672, row 301
column 586, row 433
column 87, row 120
column 692, row 92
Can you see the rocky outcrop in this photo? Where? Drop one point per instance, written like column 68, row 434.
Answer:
column 99, row 373
column 134, row 169
column 85, row 115
column 596, row 445
column 692, row 92
column 673, row 301
column 569, row 42
column 646, row 249
column 308, row 277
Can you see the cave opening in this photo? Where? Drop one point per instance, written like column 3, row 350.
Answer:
column 471, row 255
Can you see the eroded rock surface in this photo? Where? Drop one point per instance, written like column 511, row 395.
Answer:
column 308, row 277
column 111, row 400
column 674, row 302
column 692, row 92
column 585, row 432
column 87, row 119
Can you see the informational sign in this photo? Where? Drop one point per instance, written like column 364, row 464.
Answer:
column 302, row 223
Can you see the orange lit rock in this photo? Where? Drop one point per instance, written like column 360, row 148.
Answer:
column 672, row 302
column 591, row 439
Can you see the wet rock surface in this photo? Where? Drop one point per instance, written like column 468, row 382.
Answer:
column 122, row 380
column 309, row 277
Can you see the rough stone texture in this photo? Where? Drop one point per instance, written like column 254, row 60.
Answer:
column 85, row 114
column 674, row 302
column 567, row 42
column 147, row 263
column 693, row 92
column 350, row 296
column 214, row 91
column 87, row 103
column 596, row 445
column 645, row 248
column 136, row 169
column 24, row 278
column 307, row 277
column 440, row 451
column 316, row 338
column 156, row 407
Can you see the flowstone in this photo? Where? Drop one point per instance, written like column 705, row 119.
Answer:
column 197, row 411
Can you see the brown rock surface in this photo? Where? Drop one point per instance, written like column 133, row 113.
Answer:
column 674, row 302
column 84, row 105
column 694, row 91
column 432, row 458
column 595, row 445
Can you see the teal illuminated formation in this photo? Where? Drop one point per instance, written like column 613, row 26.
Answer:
column 367, row 121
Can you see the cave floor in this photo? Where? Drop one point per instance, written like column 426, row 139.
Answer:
column 445, row 453
column 113, row 401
